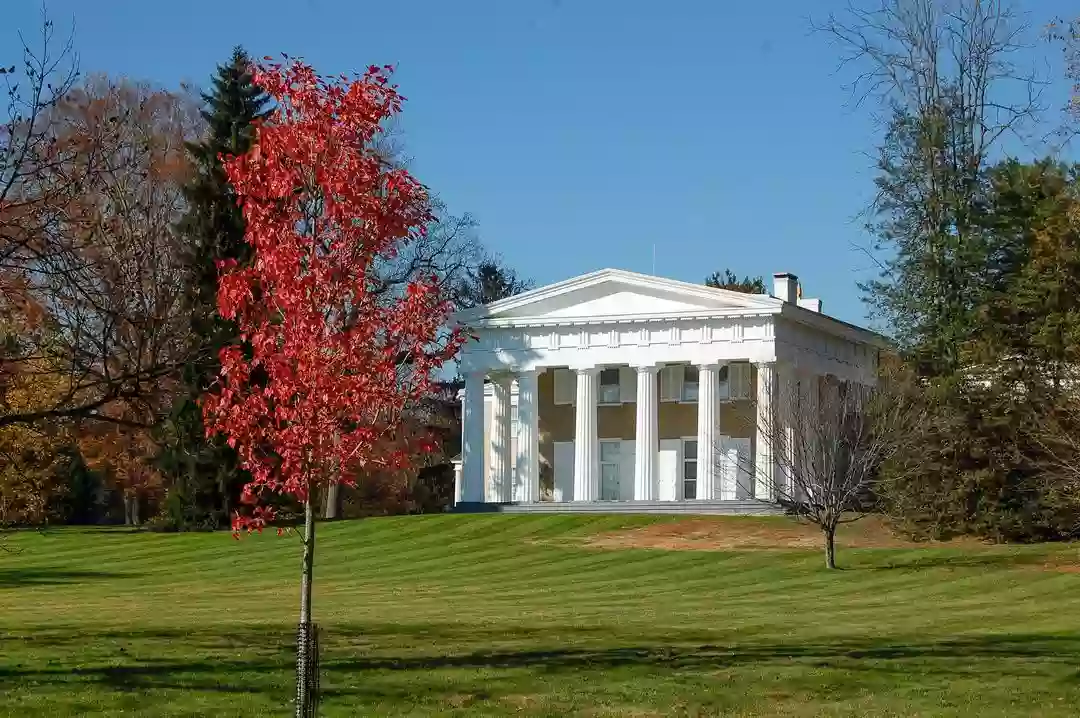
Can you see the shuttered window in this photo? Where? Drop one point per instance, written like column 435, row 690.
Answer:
column 671, row 379
column 689, row 384
column 565, row 386
column 740, row 381
column 689, row 469
column 609, row 386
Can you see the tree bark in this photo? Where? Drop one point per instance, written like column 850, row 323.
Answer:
column 307, row 646
column 332, row 500
column 223, row 488
column 830, row 546
column 309, row 561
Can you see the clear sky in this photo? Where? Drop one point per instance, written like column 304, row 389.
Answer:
column 579, row 133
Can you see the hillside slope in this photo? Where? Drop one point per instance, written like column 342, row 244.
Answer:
column 534, row 615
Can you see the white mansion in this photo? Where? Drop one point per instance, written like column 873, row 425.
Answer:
column 622, row 391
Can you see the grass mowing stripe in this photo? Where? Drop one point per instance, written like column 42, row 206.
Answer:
column 518, row 615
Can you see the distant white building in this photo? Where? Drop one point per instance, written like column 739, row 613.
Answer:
column 622, row 391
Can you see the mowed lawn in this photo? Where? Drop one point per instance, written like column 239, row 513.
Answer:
column 528, row 615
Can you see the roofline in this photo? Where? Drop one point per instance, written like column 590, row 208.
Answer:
column 485, row 317
column 819, row 321
column 749, row 301
column 623, row 318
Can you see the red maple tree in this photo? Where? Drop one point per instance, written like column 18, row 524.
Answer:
column 325, row 367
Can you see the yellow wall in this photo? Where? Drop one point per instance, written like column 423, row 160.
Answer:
column 618, row 422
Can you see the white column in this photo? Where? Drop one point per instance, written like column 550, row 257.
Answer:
column 586, row 444
column 472, row 438
column 786, row 455
column 646, row 436
column 527, row 481
column 707, row 450
column 499, row 486
column 811, row 462
column 764, row 466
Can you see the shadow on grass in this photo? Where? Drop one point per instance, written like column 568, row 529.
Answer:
column 20, row 577
column 256, row 661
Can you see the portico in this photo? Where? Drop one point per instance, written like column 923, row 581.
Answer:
column 622, row 388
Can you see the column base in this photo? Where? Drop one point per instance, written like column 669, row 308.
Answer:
column 742, row 507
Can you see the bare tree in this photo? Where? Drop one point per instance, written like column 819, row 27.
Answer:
column 47, row 73
column 1057, row 434
column 946, row 79
column 94, row 276
column 828, row 440
column 1066, row 34
column 913, row 55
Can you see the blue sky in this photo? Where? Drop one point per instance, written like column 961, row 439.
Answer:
column 579, row 133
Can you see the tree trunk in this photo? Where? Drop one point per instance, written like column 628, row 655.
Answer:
column 223, row 487
column 307, row 641
column 830, row 546
column 135, row 510
column 128, row 513
column 332, row 501
column 309, row 561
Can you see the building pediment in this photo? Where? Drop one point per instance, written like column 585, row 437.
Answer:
column 613, row 294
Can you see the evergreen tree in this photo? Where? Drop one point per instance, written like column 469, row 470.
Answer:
column 729, row 280
column 206, row 478
column 1034, row 307
column 982, row 467
column 489, row 282
column 931, row 190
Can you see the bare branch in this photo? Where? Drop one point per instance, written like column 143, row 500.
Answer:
column 828, row 440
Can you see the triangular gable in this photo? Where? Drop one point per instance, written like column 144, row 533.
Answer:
column 618, row 293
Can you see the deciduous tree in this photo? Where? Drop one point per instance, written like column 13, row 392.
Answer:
column 331, row 366
column 92, row 274
column 945, row 75
column 829, row 440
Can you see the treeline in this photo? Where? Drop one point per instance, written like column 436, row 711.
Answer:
column 114, row 217
column 979, row 257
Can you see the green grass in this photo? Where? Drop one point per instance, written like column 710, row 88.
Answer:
column 503, row 615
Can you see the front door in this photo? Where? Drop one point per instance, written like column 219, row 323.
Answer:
column 667, row 470
column 564, row 471
column 610, row 463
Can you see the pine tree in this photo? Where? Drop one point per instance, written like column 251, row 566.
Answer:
column 205, row 475
column 730, row 281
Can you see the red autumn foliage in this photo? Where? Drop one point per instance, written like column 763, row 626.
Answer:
column 327, row 368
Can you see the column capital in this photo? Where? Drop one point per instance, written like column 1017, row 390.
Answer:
column 717, row 365
column 647, row 367
column 585, row 370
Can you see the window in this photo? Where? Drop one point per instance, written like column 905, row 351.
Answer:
column 689, row 469
column 690, row 384
column 565, row 386
column 609, row 470
column 609, row 386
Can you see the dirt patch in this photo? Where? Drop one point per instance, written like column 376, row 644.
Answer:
column 1061, row 564
column 1064, row 569
column 742, row 533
